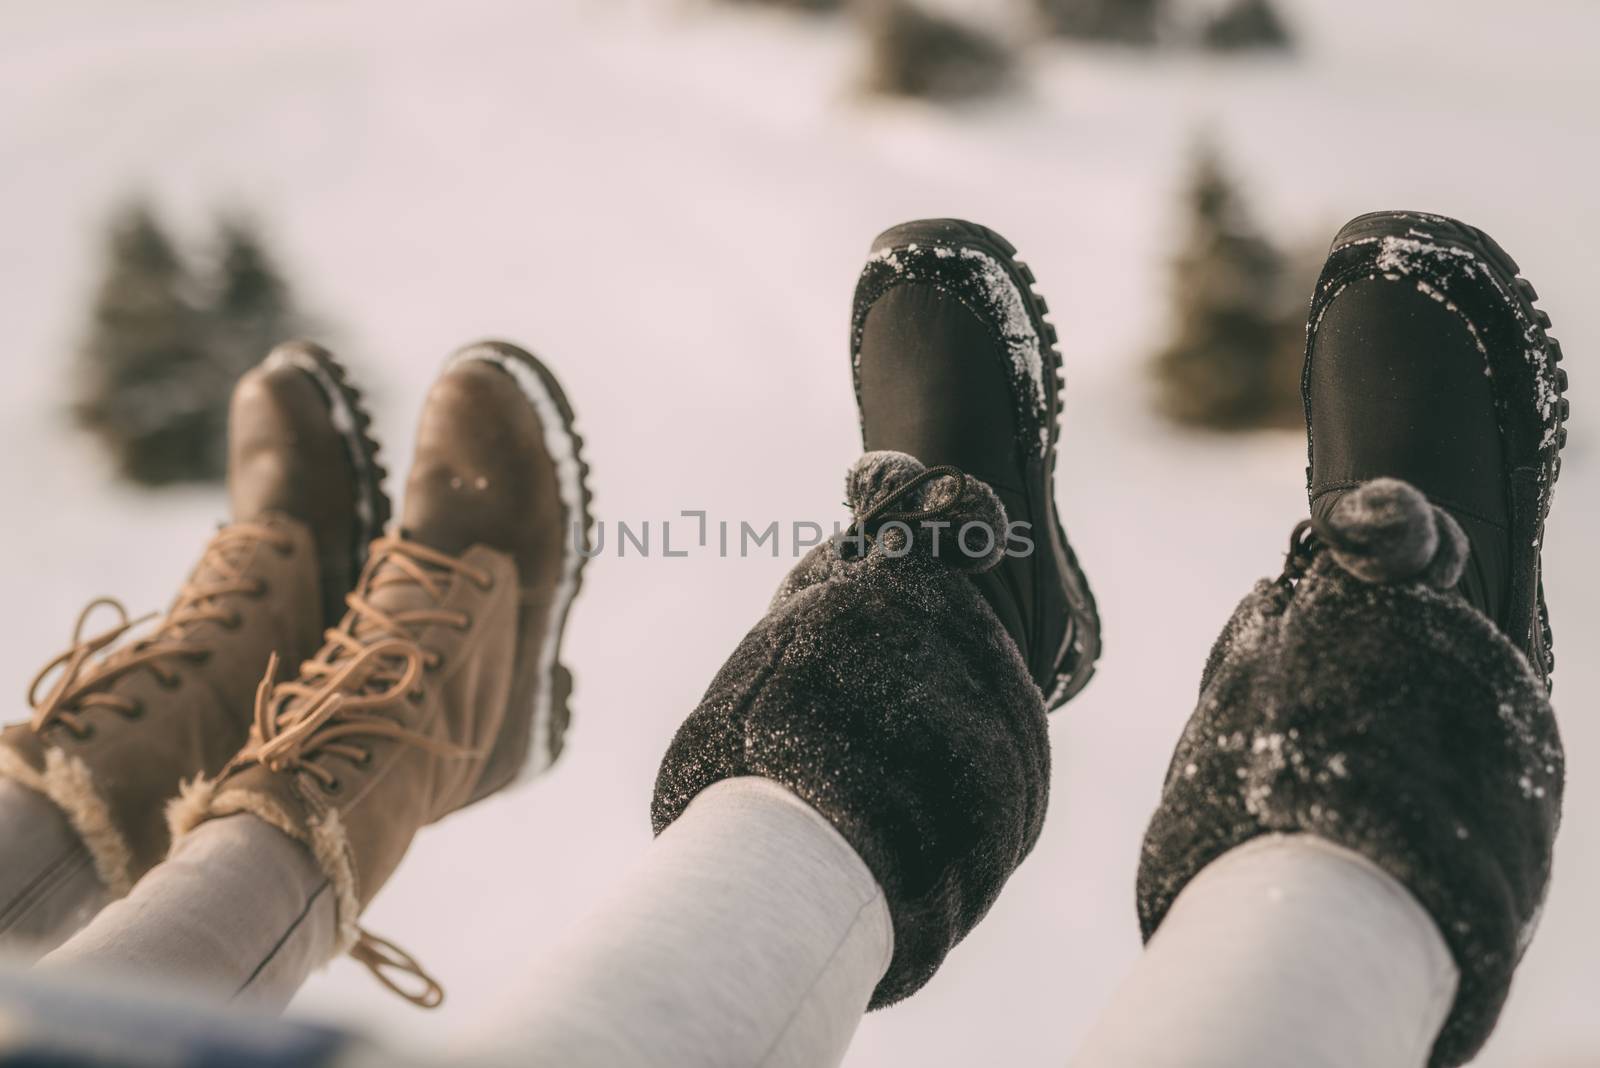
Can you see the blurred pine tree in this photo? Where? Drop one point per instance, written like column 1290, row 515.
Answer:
column 1247, row 25
column 162, row 350
column 252, row 307
column 1234, row 360
column 145, row 384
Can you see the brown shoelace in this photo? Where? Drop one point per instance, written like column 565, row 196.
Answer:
column 369, row 663
column 77, row 691
column 381, row 955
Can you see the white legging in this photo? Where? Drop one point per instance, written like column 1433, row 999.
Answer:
column 752, row 934
column 1286, row 950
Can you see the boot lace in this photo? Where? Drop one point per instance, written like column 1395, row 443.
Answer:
column 79, row 689
column 370, row 663
column 1305, row 542
column 883, row 512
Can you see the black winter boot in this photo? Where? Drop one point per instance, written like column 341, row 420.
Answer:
column 1389, row 691
column 883, row 691
column 955, row 364
column 1427, row 361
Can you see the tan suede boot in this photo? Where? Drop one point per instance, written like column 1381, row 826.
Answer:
column 442, row 684
column 118, row 729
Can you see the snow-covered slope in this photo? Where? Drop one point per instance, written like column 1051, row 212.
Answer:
column 671, row 207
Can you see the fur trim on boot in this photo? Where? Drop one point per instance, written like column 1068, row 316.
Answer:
column 198, row 801
column 881, row 689
column 69, row 785
column 1361, row 699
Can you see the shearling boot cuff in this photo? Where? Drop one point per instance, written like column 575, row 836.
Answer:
column 881, row 689
column 1361, row 699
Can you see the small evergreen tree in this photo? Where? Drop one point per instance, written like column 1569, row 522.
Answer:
column 251, row 308
column 1247, row 24
column 916, row 52
column 162, row 353
column 1235, row 357
column 146, row 386
column 1130, row 22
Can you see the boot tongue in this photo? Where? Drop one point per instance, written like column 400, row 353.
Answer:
column 240, row 555
column 1397, row 388
column 451, row 531
column 934, row 384
column 393, row 591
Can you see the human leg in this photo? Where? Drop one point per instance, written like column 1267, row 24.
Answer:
column 1336, row 960
column 750, row 934
column 239, row 912
column 48, row 885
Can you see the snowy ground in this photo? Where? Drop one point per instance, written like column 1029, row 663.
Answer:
column 672, row 209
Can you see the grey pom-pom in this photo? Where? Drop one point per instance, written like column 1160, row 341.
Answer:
column 967, row 534
column 1451, row 558
column 875, row 476
column 1387, row 531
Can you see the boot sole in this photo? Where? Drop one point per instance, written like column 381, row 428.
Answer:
column 1076, row 659
column 1530, row 387
column 552, row 708
column 351, row 421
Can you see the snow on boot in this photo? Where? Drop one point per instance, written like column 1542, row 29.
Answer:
column 883, row 690
column 1362, row 699
column 442, row 684
column 955, row 364
column 1427, row 361
column 119, row 727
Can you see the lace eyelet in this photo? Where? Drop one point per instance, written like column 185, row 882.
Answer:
column 332, row 786
column 364, row 759
column 432, row 661
column 135, row 711
column 82, row 734
column 486, row 584
column 414, row 696
column 232, row 622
